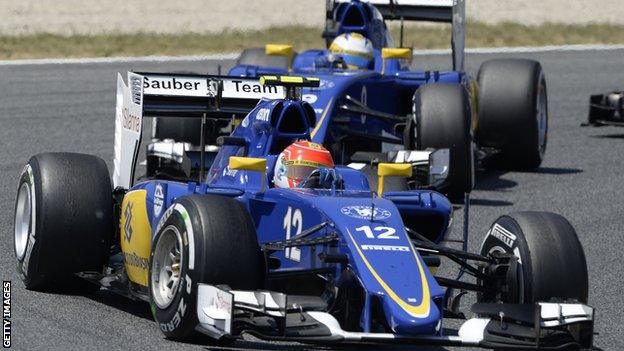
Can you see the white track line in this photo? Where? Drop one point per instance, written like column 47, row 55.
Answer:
column 91, row 60
column 230, row 56
column 525, row 49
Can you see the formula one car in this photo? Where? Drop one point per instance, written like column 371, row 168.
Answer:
column 330, row 261
column 606, row 109
column 363, row 114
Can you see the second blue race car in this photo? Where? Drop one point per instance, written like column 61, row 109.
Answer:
column 372, row 102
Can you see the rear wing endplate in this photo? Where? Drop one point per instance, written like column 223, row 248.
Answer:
column 176, row 95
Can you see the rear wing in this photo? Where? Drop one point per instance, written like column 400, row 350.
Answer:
column 176, row 95
column 416, row 10
column 446, row 11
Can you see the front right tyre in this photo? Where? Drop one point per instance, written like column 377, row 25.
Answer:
column 551, row 261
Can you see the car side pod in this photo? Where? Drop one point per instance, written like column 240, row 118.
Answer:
column 303, row 319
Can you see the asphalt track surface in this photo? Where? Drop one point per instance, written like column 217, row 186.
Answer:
column 71, row 108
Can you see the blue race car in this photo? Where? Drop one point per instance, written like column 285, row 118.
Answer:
column 331, row 260
column 606, row 110
column 371, row 103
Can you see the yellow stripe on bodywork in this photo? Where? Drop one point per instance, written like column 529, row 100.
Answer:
column 136, row 236
column 473, row 91
column 320, row 122
column 420, row 311
column 291, row 79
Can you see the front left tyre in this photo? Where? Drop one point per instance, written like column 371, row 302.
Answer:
column 200, row 239
column 63, row 220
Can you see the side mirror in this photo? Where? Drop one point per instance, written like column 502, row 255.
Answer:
column 394, row 53
column 280, row 50
column 249, row 164
column 391, row 170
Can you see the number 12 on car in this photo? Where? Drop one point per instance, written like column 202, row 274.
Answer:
column 293, row 219
column 379, row 232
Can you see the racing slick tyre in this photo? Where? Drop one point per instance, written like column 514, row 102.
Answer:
column 63, row 220
column 200, row 239
column 258, row 57
column 513, row 112
column 442, row 119
column 551, row 261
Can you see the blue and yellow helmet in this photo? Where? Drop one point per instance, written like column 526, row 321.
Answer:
column 354, row 48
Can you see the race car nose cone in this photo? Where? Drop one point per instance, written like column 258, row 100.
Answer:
column 402, row 322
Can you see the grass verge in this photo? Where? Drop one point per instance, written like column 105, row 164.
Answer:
column 420, row 37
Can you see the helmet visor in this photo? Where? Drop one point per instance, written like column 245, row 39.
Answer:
column 300, row 169
column 355, row 60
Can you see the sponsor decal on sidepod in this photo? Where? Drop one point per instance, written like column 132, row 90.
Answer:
column 365, row 212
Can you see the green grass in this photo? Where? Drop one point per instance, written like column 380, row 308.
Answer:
column 420, row 37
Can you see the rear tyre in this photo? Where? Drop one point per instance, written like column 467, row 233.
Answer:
column 196, row 242
column 441, row 119
column 551, row 259
column 63, row 220
column 513, row 112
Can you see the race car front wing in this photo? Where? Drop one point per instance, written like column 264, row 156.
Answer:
column 606, row 110
column 275, row 316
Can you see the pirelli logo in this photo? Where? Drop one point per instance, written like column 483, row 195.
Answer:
column 385, row 248
column 503, row 235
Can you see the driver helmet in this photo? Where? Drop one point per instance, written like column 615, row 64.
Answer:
column 354, row 48
column 298, row 161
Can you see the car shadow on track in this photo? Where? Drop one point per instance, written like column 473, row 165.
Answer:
column 608, row 136
column 492, row 181
column 556, row 170
column 489, row 202
column 139, row 308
